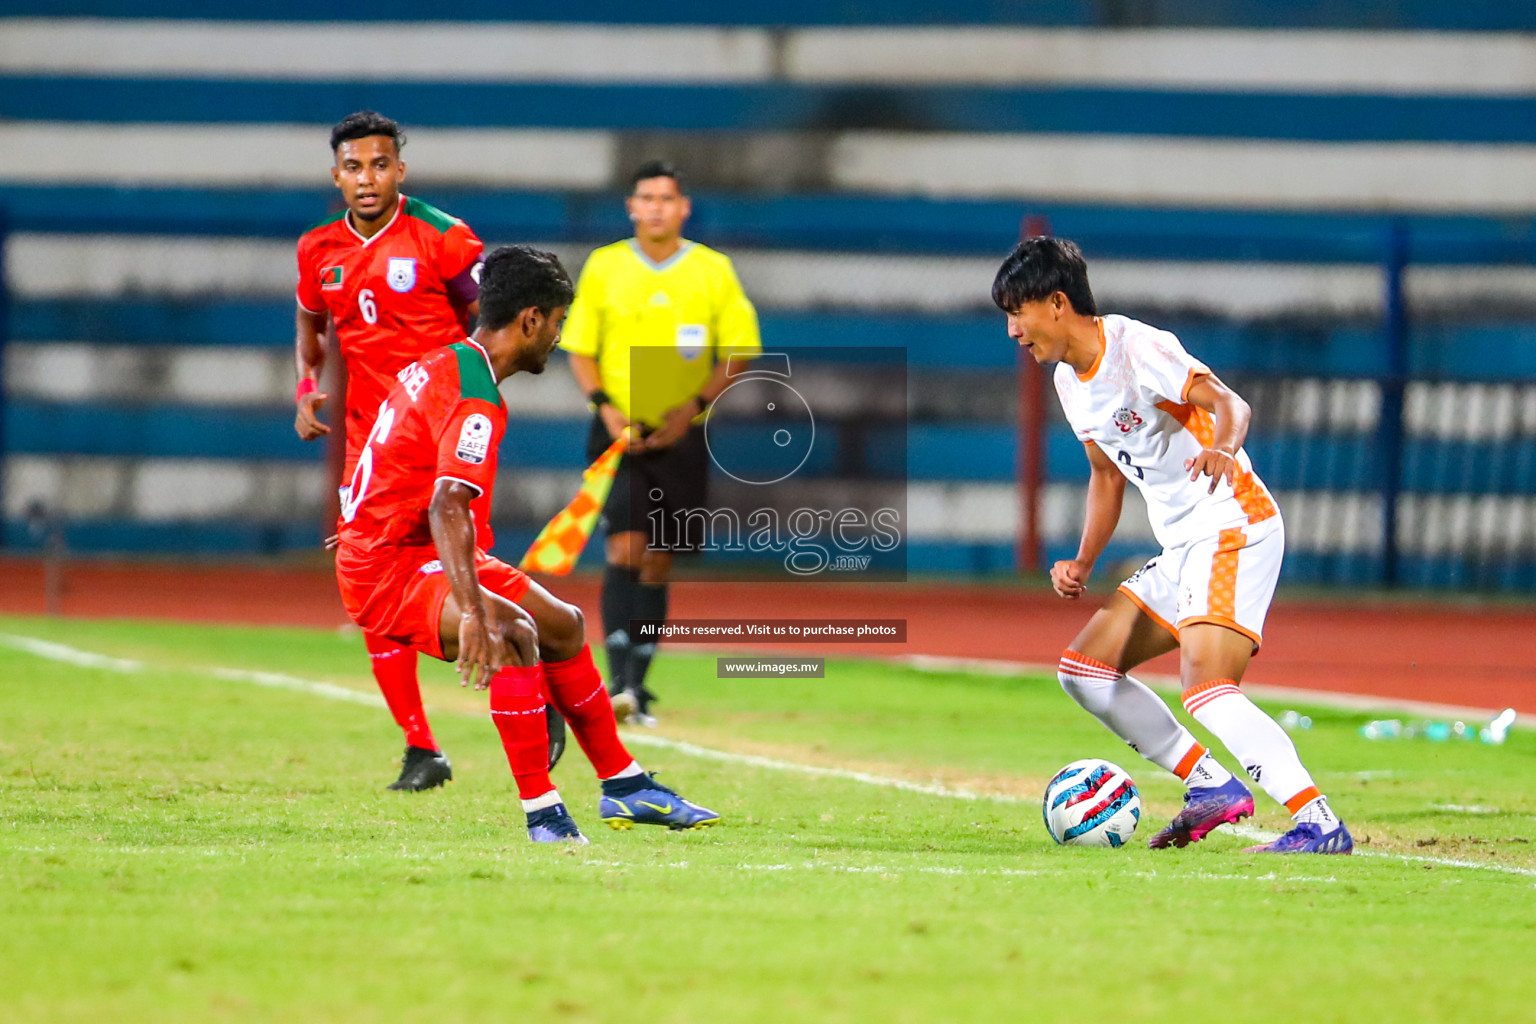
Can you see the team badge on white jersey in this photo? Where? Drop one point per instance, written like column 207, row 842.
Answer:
column 1127, row 420
column 402, row 273
column 1134, row 405
column 474, row 439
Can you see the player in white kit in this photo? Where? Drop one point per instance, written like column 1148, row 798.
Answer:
column 1148, row 412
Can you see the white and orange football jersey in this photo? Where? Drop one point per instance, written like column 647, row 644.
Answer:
column 1134, row 404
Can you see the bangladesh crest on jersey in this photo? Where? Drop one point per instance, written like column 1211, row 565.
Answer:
column 330, row 278
column 402, row 273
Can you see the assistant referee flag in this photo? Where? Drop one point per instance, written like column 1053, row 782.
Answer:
column 557, row 547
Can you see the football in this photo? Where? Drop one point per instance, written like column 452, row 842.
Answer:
column 1091, row 803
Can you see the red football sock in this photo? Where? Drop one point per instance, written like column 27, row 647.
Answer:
column 576, row 691
column 517, row 708
column 394, row 668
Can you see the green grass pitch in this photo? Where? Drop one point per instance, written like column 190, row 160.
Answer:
column 176, row 845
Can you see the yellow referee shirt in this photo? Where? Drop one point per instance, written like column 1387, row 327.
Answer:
column 685, row 311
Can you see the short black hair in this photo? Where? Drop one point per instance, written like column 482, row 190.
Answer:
column 657, row 169
column 1037, row 269
column 362, row 125
column 517, row 277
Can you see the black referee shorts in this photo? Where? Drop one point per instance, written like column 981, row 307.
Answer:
column 672, row 480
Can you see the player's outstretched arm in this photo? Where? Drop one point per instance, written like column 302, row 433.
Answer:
column 1232, row 418
column 474, row 630
column 309, row 361
column 1106, row 496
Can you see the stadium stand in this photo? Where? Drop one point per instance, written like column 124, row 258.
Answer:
column 1338, row 213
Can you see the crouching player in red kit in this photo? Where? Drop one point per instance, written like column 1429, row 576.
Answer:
column 1150, row 413
column 413, row 567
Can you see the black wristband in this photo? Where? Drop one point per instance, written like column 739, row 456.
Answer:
column 599, row 398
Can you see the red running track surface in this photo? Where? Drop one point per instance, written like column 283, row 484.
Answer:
column 1469, row 656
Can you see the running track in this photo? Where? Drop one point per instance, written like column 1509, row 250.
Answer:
column 1462, row 655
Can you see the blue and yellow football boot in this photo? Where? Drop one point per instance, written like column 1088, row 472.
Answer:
column 641, row 800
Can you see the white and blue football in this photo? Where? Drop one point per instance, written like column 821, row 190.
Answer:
column 1091, row 803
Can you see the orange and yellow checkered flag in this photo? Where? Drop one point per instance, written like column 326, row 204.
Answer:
column 555, row 550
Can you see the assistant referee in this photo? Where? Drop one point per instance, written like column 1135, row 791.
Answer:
column 682, row 303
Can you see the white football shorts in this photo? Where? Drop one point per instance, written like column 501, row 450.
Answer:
column 1228, row 579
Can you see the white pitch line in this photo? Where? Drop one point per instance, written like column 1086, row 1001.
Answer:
column 758, row 761
column 1448, row 862
column 70, row 655
column 276, row 680
column 1261, row 691
column 279, row 681
column 87, row 659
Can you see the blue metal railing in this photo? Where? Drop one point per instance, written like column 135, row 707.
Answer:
column 1386, row 463
column 1485, row 16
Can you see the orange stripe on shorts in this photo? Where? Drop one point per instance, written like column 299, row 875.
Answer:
column 1221, row 597
column 1253, row 498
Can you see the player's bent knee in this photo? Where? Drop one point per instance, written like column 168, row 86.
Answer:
column 562, row 632
column 522, row 641
column 1089, row 682
column 517, row 628
column 1213, row 652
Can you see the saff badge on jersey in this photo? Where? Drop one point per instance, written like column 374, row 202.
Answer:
column 402, row 273
column 474, row 439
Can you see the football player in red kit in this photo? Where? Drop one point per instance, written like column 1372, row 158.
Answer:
column 413, row 567
column 397, row 278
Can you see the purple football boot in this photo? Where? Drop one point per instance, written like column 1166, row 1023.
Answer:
column 554, row 825
column 1307, row 837
column 1205, row 807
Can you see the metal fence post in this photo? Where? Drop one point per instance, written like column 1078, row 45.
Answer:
column 1390, row 432
column 1031, row 458
column 1032, row 427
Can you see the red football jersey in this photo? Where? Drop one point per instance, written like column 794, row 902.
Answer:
column 392, row 297
column 443, row 419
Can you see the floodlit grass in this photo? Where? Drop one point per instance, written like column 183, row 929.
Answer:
column 177, row 846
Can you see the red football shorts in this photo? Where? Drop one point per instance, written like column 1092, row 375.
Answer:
column 404, row 600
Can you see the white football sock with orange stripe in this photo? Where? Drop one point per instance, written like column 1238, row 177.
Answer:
column 1204, row 770
column 1318, row 813
column 1135, row 714
column 1257, row 741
